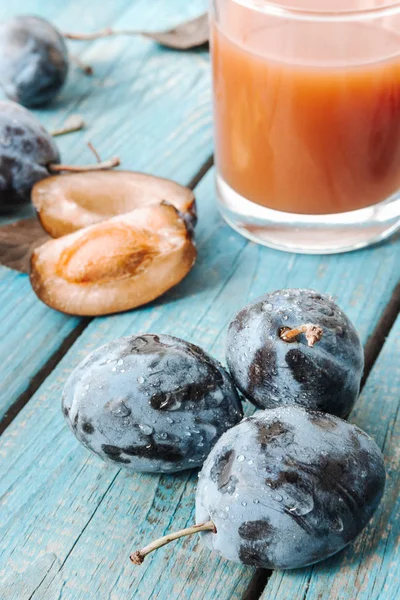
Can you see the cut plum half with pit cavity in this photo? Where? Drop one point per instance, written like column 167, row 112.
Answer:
column 114, row 266
column 69, row 203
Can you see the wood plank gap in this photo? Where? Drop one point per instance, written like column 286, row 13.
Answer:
column 42, row 374
column 376, row 341
column 257, row 584
column 372, row 350
column 205, row 167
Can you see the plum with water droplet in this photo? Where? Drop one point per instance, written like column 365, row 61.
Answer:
column 314, row 483
column 286, row 488
column 33, row 60
column 151, row 403
column 296, row 346
column 26, row 151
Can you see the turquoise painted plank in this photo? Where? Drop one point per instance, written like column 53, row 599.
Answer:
column 370, row 568
column 29, row 336
column 30, row 333
column 144, row 103
column 68, row 16
column 79, row 518
column 149, row 105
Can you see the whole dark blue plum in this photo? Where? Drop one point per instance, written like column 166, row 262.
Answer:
column 33, row 60
column 26, row 150
column 320, row 367
column 150, row 403
column 288, row 487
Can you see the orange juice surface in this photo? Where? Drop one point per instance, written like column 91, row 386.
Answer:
column 307, row 115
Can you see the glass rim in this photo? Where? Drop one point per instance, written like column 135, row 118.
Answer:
column 292, row 12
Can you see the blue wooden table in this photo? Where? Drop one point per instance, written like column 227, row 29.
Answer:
column 67, row 521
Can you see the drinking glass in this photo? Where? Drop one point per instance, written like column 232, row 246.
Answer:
column 307, row 121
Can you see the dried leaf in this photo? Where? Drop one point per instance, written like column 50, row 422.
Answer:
column 187, row 35
column 18, row 240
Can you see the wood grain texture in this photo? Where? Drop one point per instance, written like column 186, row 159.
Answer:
column 149, row 105
column 369, row 569
column 29, row 335
column 58, row 500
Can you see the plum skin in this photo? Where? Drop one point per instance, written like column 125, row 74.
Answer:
column 150, row 403
column 288, row 487
column 271, row 372
column 33, row 60
column 26, row 150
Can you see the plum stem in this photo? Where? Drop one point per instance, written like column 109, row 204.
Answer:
column 107, row 32
column 85, row 68
column 138, row 557
column 101, row 166
column 313, row 333
column 93, row 149
column 74, row 123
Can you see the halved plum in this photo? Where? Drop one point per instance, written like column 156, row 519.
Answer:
column 114, row 266
column 71, row 202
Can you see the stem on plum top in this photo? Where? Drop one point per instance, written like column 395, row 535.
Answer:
column 313, row 333
column 101, row 166
column 138, row 557
column 87, row 69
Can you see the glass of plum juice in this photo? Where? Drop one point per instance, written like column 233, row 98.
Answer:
column 307, row 121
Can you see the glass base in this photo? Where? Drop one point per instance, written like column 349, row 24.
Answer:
column 309, row 234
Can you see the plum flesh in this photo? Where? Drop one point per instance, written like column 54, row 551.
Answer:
column 69, row 203
column 115, row 265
